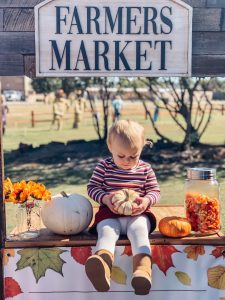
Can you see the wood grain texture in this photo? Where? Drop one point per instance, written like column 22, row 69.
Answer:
column 48, row 239
column 1, row 19
column 196, row 3
column 19, row 3
column 222, row 20
column 208, row 43
column 17, row 43
column 11, row 65
column 18, row 19
column 29, row 66
column 208, row 65
column 206, row 19
column 2, row 211
column 215, row 3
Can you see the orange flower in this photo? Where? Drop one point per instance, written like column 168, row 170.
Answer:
column 22, row 191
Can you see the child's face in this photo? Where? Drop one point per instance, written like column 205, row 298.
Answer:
column 124, row 157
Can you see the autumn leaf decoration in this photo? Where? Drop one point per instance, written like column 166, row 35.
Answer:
column 11, row 287
column 118, row 275
column 218, row 252
column 216, row 277
column 40, row 260
column 7, row 253
column 194, row 251
column 162, row 256
column 183, row 277
column 127, row 251
column 81, row 254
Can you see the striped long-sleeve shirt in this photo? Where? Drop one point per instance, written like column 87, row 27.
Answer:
column 107, row 177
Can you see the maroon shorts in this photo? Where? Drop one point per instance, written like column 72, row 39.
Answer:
column 105, row 213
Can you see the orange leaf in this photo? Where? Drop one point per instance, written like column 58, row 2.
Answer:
column 12, row 287
column 81, row 254
column 218, row 251
column 162, row 256
column 127, row 251
column 194, row 251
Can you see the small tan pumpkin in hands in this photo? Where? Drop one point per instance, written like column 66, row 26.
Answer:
column 123, row 201
column 175, row 226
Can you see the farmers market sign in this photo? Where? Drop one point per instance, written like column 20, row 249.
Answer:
column 113, row 38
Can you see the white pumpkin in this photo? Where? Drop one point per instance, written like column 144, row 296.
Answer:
column 123, row 201
column 67, row 215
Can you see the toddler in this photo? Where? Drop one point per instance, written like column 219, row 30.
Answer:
column 123, row 170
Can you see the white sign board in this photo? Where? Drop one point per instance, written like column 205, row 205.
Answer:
column 113, row 38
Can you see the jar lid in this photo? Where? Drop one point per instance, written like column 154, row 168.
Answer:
column 201, row 173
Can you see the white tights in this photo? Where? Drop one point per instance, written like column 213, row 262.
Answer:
column 137, row 229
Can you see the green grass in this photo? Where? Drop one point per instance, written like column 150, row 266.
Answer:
column 70, row 174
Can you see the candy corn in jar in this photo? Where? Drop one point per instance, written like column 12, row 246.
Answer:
column 202, row 200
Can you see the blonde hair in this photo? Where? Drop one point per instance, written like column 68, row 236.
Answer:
column 129, row 133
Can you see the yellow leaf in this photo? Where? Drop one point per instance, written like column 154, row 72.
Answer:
column 7, row 254
column 183, row 278
column 118, row 275
column 216, row 277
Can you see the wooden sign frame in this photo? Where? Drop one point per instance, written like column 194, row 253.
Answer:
column 70, row 72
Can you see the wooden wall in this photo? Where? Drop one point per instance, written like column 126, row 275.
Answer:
column 17, row 47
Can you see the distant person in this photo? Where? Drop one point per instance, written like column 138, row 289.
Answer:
column 79, row 109
column 5, row 110
column 60, row 106
column 156, row 114
column 117, row 105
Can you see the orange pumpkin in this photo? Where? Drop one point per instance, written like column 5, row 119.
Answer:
column 123, row 201
column 174, row 226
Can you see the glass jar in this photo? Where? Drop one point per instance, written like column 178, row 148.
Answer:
column 28, row 219
column 202, row 200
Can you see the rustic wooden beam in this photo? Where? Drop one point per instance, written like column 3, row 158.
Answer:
column 11, row 65
column 215, row 3
column 18, row 19
column 206, row 19
column 1, row 19
column 30, row 66
column 19, row 3
column 208, row 43
column 196, row 3
column 17, row 43
column 2, row 212
column 208, row 65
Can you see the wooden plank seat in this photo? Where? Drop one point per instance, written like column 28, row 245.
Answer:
column 49, row 239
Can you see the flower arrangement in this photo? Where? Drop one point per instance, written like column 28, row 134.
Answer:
column 23, row 192
column 27, row 196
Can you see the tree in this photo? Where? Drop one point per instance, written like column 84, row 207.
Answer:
column 186, row 100
column 46, row 85
column 103, row 83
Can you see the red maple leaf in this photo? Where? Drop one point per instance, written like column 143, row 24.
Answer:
column 81, row 254
column 12, row 287
column 218, row 251
column 127, row 251
column 162, row 256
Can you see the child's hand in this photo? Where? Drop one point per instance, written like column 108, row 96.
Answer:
column 107, row 200
column 140, row 205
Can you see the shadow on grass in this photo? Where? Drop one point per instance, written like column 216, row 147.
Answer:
column 72, row 163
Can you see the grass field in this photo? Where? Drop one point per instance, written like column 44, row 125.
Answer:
column 71, row 174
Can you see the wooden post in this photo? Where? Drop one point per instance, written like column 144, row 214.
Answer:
column 222, row 109
column 2, row 212
column 32, row 119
